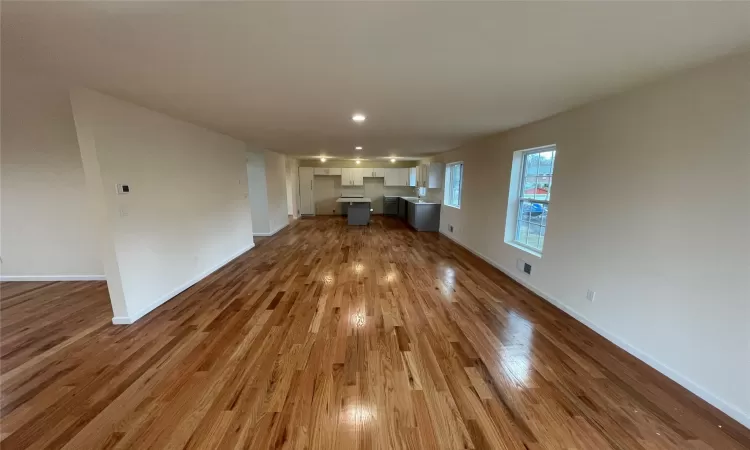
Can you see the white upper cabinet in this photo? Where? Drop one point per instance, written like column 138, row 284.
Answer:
column 391, row 177
column 413, row 180
column 435, row 172
column 352, row 176
column 373, row 172
column 327, row 171
column 397, row 176
column 403, row 176
column 422, row 175
column 430, row 175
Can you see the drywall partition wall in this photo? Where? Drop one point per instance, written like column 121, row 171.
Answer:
column 650, row 209
column 292, row 181
column 278, row 216
column 258, row 194
column 46, row 225
column 187, row 212
column 290, row 207
column 266, row 174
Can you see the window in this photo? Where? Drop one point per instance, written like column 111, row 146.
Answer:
column 530, row 191
column 454, row 173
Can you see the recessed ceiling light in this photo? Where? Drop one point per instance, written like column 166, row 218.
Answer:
column 322, row 159
column 357, row 148
column 358, row 161
column 393, row 160
column 359, row 118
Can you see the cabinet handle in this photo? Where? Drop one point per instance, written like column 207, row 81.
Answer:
column 311, row 185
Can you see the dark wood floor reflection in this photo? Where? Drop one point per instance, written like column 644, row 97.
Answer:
column 331, row 337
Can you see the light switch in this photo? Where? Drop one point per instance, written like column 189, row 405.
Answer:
column 123, row 189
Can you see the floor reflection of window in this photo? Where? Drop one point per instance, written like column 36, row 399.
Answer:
column 357, row 414
column 517, row 341
column 358, row 319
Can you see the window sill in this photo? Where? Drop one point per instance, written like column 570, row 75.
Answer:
column 454, row 207
column 525, row 249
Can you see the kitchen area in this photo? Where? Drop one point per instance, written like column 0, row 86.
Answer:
column 398, row 189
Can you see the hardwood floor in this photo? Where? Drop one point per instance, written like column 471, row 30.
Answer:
column 331, row 337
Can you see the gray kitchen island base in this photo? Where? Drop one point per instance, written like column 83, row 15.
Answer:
column 357, row 210
column 358, row 214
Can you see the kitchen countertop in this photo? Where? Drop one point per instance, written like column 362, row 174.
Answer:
column 353, row 200
column 414, row 200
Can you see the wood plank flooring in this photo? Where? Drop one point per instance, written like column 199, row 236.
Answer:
column 333, row 337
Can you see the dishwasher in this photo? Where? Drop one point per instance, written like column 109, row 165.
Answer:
column 390, row 206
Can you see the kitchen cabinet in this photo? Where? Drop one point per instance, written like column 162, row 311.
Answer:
column 430, row 175
column 423, row 216
column 390, row 206
column 353, row 176
column 422, row 175
column 327, row 171
column 373, row 172
column 412, row 181
column 396, row 177
column 306, row 192
column 435, row 173
column 391, row 178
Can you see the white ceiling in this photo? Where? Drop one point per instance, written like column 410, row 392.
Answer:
column 288, row 76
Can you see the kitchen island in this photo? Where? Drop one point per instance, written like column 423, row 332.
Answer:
column 358, row 210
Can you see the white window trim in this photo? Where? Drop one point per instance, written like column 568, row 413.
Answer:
column 447, row 185
column 516, row 197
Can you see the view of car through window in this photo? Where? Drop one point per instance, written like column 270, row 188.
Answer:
column 534, row 198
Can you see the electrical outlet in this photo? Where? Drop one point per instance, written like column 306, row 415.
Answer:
column 527, row 268
column 591, row 295
column 451, row 227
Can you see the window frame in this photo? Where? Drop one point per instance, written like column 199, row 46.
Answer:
column 448, row 187
column 520, row 197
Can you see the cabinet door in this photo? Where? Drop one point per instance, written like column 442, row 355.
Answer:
column 390, row 177
column 412, row 177
column 306, row 198
column 402, row 177
column 435, row 175
column 321, row 171
column 357, row 176
column 378, row 172
column 346, row 176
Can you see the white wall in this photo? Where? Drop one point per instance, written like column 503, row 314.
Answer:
column 650, row 208
column 187, row 213
column 46, row 226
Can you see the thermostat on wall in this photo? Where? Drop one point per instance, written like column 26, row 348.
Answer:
column 123, row 189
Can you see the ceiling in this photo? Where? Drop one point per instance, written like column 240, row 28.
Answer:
column 288, row 76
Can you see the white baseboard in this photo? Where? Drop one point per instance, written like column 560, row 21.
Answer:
column 729, row 409
column 273, row 231
column 52, row 278
column 127, row 320
column 122, row 320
